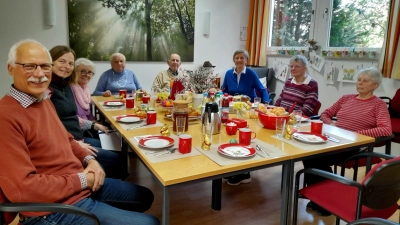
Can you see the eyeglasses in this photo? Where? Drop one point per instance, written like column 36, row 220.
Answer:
column 295, row 67
column 89, row 73
column 30, row 67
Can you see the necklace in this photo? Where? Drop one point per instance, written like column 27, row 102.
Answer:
column 121, row 82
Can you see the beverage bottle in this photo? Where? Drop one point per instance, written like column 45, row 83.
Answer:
column 225, row 108
column 212, row 97
column 217, row 99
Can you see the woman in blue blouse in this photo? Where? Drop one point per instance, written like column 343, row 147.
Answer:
column 116, row 78
column 242, row 80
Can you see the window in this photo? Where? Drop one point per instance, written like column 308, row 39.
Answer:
column 332, row 23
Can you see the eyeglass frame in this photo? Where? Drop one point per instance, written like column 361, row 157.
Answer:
column 36, row 65
column 86, row 73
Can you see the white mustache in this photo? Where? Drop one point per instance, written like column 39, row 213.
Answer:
column 37, row 80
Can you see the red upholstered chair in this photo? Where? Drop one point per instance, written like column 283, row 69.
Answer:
column 8, row 211
column 373, row 221
column 375, row 196
column 394, row 110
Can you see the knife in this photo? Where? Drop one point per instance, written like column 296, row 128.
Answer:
column 132, row 128
column 331, row 138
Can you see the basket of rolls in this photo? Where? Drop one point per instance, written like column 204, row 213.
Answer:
column 267, row 116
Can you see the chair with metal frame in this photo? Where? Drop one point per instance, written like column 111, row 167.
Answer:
column 9, row 211
column 372, row 221
column 375, row 196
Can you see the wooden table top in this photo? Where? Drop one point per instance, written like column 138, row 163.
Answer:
column 197, row 167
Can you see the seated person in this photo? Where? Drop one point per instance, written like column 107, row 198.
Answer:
column 51, row 166
column 301, row 88
column 363, row 113
column 84, row 71
column 63, row 100
column 116, row 78
column 162, row 82
column 242, row 80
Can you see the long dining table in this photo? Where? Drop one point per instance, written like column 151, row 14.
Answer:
column 204, row 166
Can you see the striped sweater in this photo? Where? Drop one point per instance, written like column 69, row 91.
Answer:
column 365, row 116
column 305, row 96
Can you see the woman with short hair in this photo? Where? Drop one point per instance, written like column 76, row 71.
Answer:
column 301, row 88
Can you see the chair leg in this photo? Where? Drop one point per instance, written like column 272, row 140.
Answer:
column 335, row 169
column 337, row 221
column 355, row 172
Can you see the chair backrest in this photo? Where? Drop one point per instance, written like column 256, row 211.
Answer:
column 372, row 221
column 394, row 107
column 382, row 185
column 7, row 217
column 316, row 109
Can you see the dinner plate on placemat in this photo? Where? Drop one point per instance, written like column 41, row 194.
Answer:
column 113, row 103
column 236, row 150
column 156, row 142
column 129, row 119
column 309, row 137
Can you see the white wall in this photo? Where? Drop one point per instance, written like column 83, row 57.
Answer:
column 28, row 22
column 227, row 16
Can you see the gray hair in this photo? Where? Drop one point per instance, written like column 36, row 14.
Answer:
column 117, row 54
column 374, row 73
column 299, row 58
column 85, row 62
column 246, row 54
column 12, row 54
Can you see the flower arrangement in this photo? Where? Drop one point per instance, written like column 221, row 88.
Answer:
column 198, row 81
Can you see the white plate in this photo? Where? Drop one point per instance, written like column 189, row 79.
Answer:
column 310, row 138
column 156, row 142
column 129, row 119
column 113, row 103
column 236, row 150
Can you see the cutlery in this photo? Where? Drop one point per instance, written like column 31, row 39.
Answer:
column 260, row 149
column 260, row 155
column 153, row 152
column 331, row 138
column 167, row 152
column 132, row 128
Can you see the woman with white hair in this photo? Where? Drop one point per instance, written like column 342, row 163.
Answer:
column 363, row 113
column 301, row 88
column 116, row 78
column 84, row 71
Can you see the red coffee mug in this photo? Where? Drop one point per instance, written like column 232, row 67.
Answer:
column 130, row 103
column 146, row 99
column 122, row 93
column 245, row 136
column 151, row 117
column 231, row 128
column 185, row 143
column 316, row 126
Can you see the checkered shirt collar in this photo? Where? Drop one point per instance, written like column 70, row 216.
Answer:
column 24, row 99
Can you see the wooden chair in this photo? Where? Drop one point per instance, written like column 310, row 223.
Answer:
column 8, row 211
column 375, row 196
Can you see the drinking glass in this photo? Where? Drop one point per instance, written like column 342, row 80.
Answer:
column 280, row 126
column 257, row 100
column 298, row 115
column 180, row 125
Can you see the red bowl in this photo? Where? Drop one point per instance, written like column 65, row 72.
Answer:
column 241, row 123
column 269, row 122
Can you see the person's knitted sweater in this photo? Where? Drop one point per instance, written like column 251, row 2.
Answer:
column 64, row 102
column 114, row 81
column 40, row 161
column 365, row 116
column 305, row 95
column 247, row 84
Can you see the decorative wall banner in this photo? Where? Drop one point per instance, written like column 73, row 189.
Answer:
column 329, row 73
column 348, row 74
column 317, row 62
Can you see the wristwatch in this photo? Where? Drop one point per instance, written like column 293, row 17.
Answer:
column 92, row 126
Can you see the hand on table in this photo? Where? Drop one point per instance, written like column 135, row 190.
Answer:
column 100, row 127
column 107, row 93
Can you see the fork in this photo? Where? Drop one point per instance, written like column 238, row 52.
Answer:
column 167, row 152
column 153, row 152
column 260, row 149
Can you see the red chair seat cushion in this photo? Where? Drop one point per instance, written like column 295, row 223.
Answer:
column 341, row 200
column 8, row 216
column 395, row 126
column 361, row 162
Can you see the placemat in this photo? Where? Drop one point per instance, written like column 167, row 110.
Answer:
column 129, row 125
column 166, row 157
column 112, row 108
column 306, row 146
column 224, row 160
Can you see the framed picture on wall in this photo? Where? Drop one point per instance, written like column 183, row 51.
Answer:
column 142, row 30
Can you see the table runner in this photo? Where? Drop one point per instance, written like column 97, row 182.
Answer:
column 125, row 126
column 224, row 160
column 306, row 146
column 166, row 157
